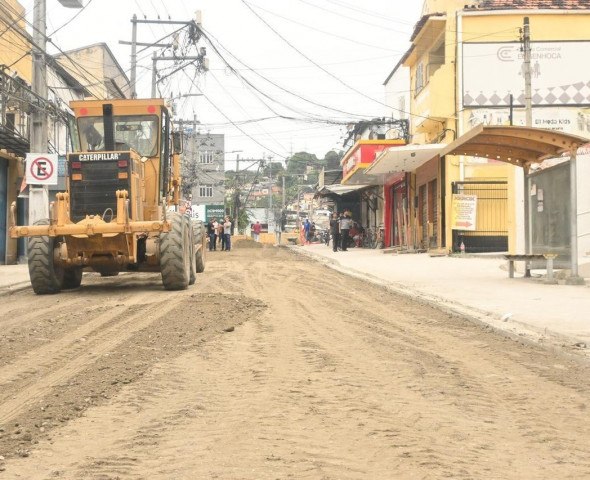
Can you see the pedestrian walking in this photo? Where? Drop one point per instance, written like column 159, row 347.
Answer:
column 220, row 234
column 227, row 226
column 212, row 226
column 334, row 231
column 345, row 224
column 307, row 231
column 256, row 229
column 278, row 232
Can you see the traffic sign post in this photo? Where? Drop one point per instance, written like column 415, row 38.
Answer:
column 40, row 171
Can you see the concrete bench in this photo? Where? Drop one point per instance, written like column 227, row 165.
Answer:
column 527, row 259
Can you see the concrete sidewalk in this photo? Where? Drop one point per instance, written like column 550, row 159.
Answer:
column 477, row 287
column 14, row 278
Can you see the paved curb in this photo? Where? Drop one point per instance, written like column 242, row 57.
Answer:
column 517, row 331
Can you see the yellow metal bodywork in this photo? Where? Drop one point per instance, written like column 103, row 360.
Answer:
column 112, row 245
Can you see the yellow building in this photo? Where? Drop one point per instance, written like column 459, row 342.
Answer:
column 87, row 72
column 14, row 47
column 464, row 62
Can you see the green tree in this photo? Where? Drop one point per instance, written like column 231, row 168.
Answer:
column 332, row 160
column 273, row 169
column 299, row 162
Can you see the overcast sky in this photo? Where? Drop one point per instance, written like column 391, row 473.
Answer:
column 333, row 53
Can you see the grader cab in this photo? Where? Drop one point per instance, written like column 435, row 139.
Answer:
column 121, row 208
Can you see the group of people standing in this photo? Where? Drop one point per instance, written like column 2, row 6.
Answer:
column 340, row 226
column 220, row 232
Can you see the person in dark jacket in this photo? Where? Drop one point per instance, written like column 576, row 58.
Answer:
column 335, row 231
column 212, row 233
column 345, row 224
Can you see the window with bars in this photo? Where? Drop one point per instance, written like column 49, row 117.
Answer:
column 205, row 190
column 206, row 156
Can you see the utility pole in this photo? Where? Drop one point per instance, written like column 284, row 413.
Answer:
column 270, row 212
column 526, row 47
column 39, row 194
column 134, row 43
column 203, row 63
column 526, row 40
column 133, row 78
column 154, row 73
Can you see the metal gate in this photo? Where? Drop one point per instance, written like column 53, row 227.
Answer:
column 491, row 233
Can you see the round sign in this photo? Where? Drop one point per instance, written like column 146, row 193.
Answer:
column 41, row 168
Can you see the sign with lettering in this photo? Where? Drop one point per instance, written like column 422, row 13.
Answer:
column 493, row 71
column 464, row 210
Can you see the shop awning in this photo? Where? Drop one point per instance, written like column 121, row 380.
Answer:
column 523, row 146
column 342, row 189
column 520, row 146
column 406, row 158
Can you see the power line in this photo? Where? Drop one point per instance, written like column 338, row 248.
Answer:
column 71, row 19
column 240, row 106
column 207, row 36
column 368, row 13
column 389, row 29
column 231, row 121
column 328, row 72
column 43, row 52
column 341, row 37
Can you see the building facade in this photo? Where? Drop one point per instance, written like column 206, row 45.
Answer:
column 465, row 66
column 205, row 169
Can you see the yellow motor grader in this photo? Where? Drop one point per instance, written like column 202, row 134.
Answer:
column 120, row 210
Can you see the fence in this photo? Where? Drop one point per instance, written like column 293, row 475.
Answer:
column 491, row 233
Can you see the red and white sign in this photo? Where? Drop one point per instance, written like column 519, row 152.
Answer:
column 41, row 169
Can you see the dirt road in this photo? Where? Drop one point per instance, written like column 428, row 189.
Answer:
column 323, row 377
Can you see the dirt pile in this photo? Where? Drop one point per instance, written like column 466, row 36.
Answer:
column 247, row 243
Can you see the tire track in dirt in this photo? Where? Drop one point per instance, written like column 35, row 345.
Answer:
column 467, row 388
column 333, row 380
column 448, row 375
column 70, row 344
column 75, row 359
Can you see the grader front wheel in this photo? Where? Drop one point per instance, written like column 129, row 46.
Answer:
column 46, row 276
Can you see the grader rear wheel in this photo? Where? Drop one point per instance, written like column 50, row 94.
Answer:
column 200, row 253
column 46, row 276
column 175, row 261
column 72, row 278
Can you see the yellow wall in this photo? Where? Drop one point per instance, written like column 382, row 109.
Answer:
column 13, row 45
column 544, row 27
